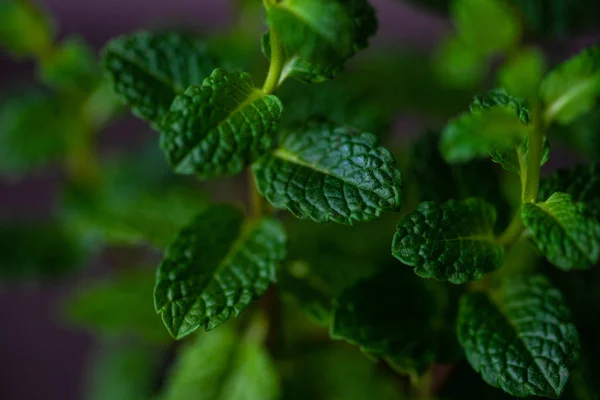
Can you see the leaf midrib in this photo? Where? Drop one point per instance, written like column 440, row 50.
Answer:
column 563, row 100
column 548, row 212
column 499, row 304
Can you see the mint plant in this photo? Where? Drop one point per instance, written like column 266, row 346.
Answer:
column 481, row 241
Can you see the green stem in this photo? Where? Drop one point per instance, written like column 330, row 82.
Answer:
column 256, row 200
column 276, row 65
column 512, row 232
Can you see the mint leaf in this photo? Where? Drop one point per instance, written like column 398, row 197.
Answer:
column 223, row 365
column 326, row 173
column 562, row 233
column 487, row 26
column 318, row 37
column 149, row 69
column 570, row 90
column 122, row 372
column 25, row 29
column 34, row 129
column 453, row 241
column 72, row 66
column 119, row 306
column 522, row 73
column 512, row 159
column 521, row 339
column 497, row 123
column 220, row 127
column 215, row 268
column 362, row 317
column 457, row 65
column 582, row 182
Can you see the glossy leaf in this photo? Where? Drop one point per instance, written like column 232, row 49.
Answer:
column 521, row 339
column 453, row 241
column 409, row 339
column 220, row 127
column 571, row 89
column 149, row 69
column 582, row 182
column 215, row 268
column 326, row 173
column 223, row 365
column 488, row 26
column 562, row 232
column 119, row 306
column 497, row 122
column 318, row 37
column 25, row 29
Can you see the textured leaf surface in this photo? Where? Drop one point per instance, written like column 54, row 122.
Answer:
column 120, row 306
column 326, row 173
column 319, row 36
column 497, row 122
column 220, row 127
column 582, row 182
column 221, row 365
column 362, row 316
column 215, row 268
column 487, row 26
column 149, row 69
column 453, row 241
column 24, row 28
column 562, row 233
column 34, row 128
column 521, row 340
column 571, row 88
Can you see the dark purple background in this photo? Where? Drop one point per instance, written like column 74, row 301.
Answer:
column 41, row 358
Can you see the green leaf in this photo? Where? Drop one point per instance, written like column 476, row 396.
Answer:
column 497, row 122
column 570, row 90
column 457, row 65
column 34, row 129
column 318, row 37
column 453, row 241
column 122, row 372
column 223, row 365
column 36, row 250
column 25, row 29
column 562, row 233
column 522, row 73
column 149, row 69
column 118, row 306
column 326, row 173
column 220, row 127
column 582, row 182
column 487, row 26
column 71, row 66
column 512, row 159
column 521, row 339
column 215, row 268
column 362, row 317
